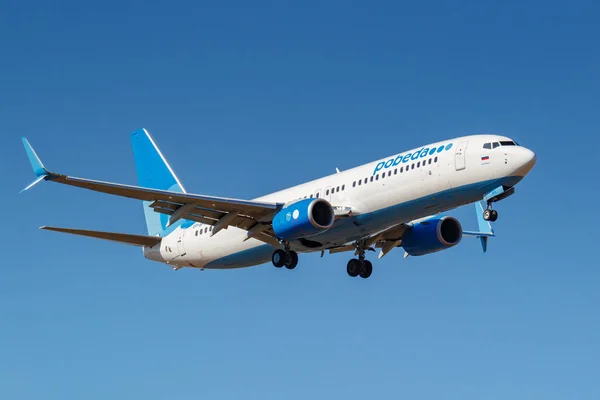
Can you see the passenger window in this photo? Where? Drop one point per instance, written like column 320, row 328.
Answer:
column 401, row 169
column 419, row 164
column 396, row 171
column 496, row 144
column 412, row 166
column 430, row 161
column 371, row 179
column 435, row 159
column 205, row 230
column 359, row 183
column 354, row 184
column 389, row 173
column 487, row 146
column 196, row 232
column 376, row 177
column 327, row 192
column 343, row 187
column 317, row 195
column 383, row 175
column 310, row 197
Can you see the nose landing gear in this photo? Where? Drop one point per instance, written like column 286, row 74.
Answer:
column 490, row 215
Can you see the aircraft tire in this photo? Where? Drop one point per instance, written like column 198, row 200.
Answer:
column 494, row 216
column 487, row 214
column 353, row 268
column 278, row 258
column 291, row 259
column 366, row 269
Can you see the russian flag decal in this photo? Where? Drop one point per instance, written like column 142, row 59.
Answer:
column 485, row 158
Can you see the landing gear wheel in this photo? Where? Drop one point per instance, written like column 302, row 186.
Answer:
column 354, row 267
column 278, row 258
column 366, row 270
column 487, row 214
column 291, row 259
column 494, row 215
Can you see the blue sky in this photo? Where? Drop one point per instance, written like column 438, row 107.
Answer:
column 247, row 98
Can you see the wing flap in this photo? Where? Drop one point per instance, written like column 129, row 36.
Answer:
column 135, row 240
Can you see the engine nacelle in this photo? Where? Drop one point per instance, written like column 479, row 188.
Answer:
column 432, row 235
column 303, row 218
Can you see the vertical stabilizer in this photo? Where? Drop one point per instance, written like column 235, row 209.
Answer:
column 153, row 172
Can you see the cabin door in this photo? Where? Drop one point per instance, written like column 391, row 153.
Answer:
column 460, row 155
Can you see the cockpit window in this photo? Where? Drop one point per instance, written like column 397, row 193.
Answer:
column 508, row 143
column 487, row 146
column 495, row 144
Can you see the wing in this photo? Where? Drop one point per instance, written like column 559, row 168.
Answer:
column 252, row 216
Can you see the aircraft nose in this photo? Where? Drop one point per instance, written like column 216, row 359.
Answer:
column 526, row 161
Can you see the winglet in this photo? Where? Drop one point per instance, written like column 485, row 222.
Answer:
column 35, row 161
column 38, row 168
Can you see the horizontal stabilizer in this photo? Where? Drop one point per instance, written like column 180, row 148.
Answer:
column 135, row 240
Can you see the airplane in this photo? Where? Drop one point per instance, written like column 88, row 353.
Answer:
column 397, row 201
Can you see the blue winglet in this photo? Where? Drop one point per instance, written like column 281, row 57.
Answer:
column 38, row 168
column 36, row 164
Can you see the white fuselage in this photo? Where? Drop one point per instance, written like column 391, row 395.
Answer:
column 397, row 189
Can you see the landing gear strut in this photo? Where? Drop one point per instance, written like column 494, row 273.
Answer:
column 289, row 258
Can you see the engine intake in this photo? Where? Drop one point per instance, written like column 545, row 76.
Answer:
column 303, row 218
column 432, row 235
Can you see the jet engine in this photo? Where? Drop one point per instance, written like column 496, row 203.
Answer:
column 303, row 218
column 432, row 235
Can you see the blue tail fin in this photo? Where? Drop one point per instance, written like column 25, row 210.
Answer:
column 153, row 172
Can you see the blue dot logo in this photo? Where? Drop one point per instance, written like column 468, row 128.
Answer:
column 431, row 151
column 440, row 149
column 449, row 146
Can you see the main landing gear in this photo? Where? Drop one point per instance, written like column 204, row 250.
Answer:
column 360, row 266
column 357, row 267
column 289, row 258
